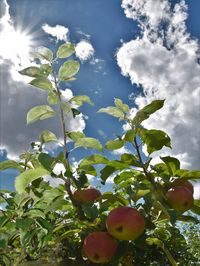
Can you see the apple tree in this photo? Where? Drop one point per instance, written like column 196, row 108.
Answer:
column 139, row 222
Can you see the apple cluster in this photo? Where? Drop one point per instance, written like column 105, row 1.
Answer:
column 180, row 195
column 122, row 223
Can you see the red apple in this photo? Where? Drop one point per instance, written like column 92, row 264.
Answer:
column 180, row 198
column 86, row 195
column 125, row 223
column 183, row 183
column 99, row 247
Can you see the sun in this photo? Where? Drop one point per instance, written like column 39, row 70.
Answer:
column 16, row 45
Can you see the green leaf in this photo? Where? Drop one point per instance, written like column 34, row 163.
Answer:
column 196, row 209
column 52, row 98
column 188, row 218
column 47, row 136
column 113, row 198
column 114, row 111
column 46, row 160
column 88, row 169
column 69, row 69
column 31, row 72
column 10, row 164
column 130, row 159
column 130, row 135
column 89, row 143
column 24, row 179
column 75, row 112
column 145, row 112
column 118, row 165
column 154, row 241
column 75, row 135
column 172, row 163
column 81, row 181
column 186, row 174
column 42, row 83
column 24, row 223
column 65, row 50
column 154, row 139
column 39, row 113
column 81, row 99
column 43, row 53
column 94, row 159
column 140, row 194
column 114, row 144
column 90, row 211
column 120, row 105
column 66, row 108
column 106, row 172
column 35, row 213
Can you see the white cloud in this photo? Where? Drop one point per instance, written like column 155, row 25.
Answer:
column 84, row 50
column 164, row 61
column 53, row 182
column 121, row 151
column 59, row 32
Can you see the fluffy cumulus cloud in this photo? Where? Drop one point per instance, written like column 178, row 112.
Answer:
column 164, row 61
column 84, row 50
column 16, row 97
column 59, row 32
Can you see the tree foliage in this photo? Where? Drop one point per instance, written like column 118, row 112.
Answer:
column 43, row 225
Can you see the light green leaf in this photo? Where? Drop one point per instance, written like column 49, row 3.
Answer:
column 10, row 164
column 114, row 144
column 47, row 136
column 118, row 165
column 172, row 164
column 24, row 179
column 31, row 72
column 94, row 159
column 52, row 98
column 89, row 143
column 35, row 213
column 186, row 174
column 41, row 83
column 120, row 105
column 39, row 113
column 130, row 159
column 114, row 111
column 69, row 69
column 154, row 139
column 113, row 198
column 66, row 107
column 145, row 112
column 88, row 169
column 65, row 50
column 43, row 53
column 81, row 99
column 75, row 135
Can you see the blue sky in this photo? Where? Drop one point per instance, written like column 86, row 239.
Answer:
column 106, row 25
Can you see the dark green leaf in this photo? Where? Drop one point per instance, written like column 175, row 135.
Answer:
column 69, row 69
column 42, row 83
column 65, row 50
column 106, row 172
column 154, row 139
column 46, row 160
column 23, row 223
column 188, row 218
column 114, row 144
column 75, row 112
column 91, row 143
column 114, row 111
column 81, row 181
column 196, row 209
column 130, row 135
column 39, row 113
column 90, row 211
column 145, row 112
column 24, row 179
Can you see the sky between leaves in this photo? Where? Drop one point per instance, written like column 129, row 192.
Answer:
column 136, row 50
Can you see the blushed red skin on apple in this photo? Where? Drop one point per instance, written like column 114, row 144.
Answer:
column 185, row 183
column 87, row 195
column 180, row 198
column 99, row 247
column 125, row 223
